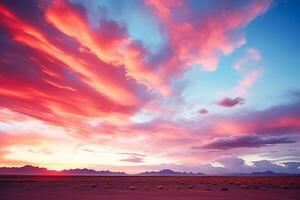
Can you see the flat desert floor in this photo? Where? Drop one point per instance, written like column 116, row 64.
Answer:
column 146, row 188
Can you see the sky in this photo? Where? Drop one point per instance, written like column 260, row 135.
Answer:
column 189, row 85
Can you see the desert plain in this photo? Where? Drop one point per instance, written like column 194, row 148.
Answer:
column 147, row 188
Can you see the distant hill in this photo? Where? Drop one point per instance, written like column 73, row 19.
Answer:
column 92, row 172
column 168, row 172
column 265, row 173
column 27, row 170
column 32, row 170
column 269, row 173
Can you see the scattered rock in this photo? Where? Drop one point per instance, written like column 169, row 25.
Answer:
column 108, row 187
column 284, row 187
column 159, row 187
column 244, row 186
column 190, row 187
column 224, row 189
column 177, row 187
column 131, row 188
column 146, row 188
column 207, row 189
column 79, row 186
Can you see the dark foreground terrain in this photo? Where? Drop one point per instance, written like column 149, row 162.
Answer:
column 146, row 188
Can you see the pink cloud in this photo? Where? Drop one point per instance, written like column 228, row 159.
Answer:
column 202, row 111
column 133, row 159
column 207, row 38
column 231, row 102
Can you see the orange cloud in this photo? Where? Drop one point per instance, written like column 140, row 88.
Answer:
column 34, row 38
column 58, row 99
column 109, row 42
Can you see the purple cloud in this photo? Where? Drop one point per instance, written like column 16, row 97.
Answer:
column 134, row 159
column 231, row 102
column 132, row 154
column 203, row 111
column 247, row 141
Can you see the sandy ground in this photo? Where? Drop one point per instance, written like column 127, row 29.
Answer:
column 146, row 188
